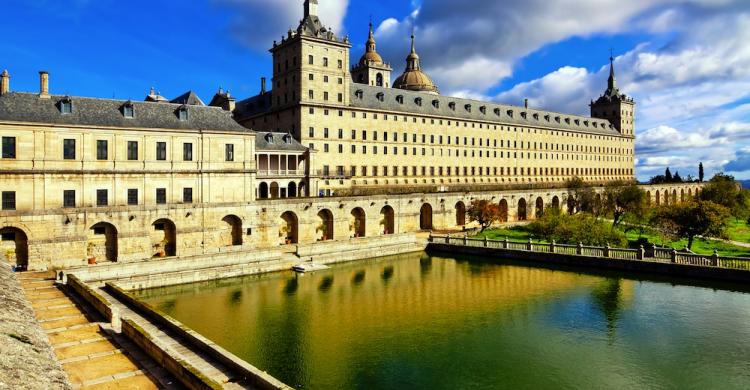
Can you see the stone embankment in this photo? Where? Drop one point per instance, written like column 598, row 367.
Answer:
column 26, row 357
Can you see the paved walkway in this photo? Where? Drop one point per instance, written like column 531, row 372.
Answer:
column 91, row 354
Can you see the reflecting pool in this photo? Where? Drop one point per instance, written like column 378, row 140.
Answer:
column 430, row 322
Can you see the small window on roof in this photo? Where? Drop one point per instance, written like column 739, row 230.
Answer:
column 523, row 114
column 468, row 107
column 497, row 111
column 452, row 106
column 400, row 99
column 380, row 96
column 359, row 94
column 536, row 116
column 269, row 137
column 418, row 101
column 586, row 123
column 510, row 113
column 557, row 119
column 595, row 124
column 128, row 111
column 436, row 103
column 567, row 120
column 287, row 138
column 66, row 106
column 546, row 117
column 483, row 110
column 182, row 113
column 577, row 122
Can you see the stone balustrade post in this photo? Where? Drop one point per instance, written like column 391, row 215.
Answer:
column 464, row 240
column 429, row 238
column 448, row 238
column 505, row 243
column 715, row 258
column 674, row 255
column 641, row 253
column 530, row 245
column 579, row 248
column 606, row 250
column 552, row 247
column 485, row 241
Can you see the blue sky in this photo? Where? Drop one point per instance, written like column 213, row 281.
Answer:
column 685, row 61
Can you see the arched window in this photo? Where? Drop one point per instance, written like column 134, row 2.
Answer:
column 379, row 80
column 436, row 103
column 380, row 96
column 359, row 94
column 400, row 99
column 418, row 101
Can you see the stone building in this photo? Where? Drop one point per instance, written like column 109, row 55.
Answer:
column 356, row 122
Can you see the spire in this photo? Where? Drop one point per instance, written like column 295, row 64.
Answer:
column 371, row 41
column 412, row 61
column 612, row 82
column 311, row 8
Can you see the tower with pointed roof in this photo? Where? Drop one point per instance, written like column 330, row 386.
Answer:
column 413, row 78
column 615, row 106
column 371, row 69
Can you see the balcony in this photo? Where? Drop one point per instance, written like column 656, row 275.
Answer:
column 280, row 172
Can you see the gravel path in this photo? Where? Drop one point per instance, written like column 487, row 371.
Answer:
column 26, row 357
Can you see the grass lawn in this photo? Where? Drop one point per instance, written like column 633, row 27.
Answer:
column 738, row 231
column 515, row 233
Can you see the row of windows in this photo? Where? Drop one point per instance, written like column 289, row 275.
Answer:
column 128, row 109
column 472, row 171
column 102, row 197
column 102, row 150
column 473, row 125
column 310, row 61
column 482, row 142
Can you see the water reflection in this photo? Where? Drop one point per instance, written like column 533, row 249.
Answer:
column 607, row 297
column 359, row 277
column 387, row 274
column 326, row 284
column 291, row 285
column 235, row 297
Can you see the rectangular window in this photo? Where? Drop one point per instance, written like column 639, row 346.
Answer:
column 102, row 198
column 311, row 132
column 161, row 151
column 69, row 149
column 132, row 196
column 325, row 61
column 69, row 198
column 161, row 196
column 187, row 151
column 310, row 60
column 9, row 147
column 341, row 64
column 229, row 152
column 132, row 150
column 187, row 195
column 128, row 111
column 101, row 149
column 9, row 200
column 325, row 132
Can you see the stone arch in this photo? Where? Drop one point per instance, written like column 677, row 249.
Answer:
column 674, row 197
column 263, row 190
column 102, row 241
column 291, row 190
column 690, row 192
column 15, row 246
column 555, row 202
column 379, row 80
column 648, row 198
column 539, row 210
column 658, row 198
column 358, row 222
column 325, row 226
column 233, row 235
column 274, row 190
column 289, row 228
column 460, row 214
column 666, row 198
column 425, row 217
column 164, row 236
column 682, row 194
column 521, row 211
column 387, row 219
column 503, row 211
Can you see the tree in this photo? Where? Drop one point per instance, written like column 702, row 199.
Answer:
column 677, row 178
column 700, row 172
column 668, row 175
column 693, row 218
column 725, row 190
column 484, row 212
column 574, row 229
column 621, row 198
column 658, row 179
column 581, row 197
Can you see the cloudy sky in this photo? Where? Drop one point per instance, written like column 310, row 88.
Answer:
column 686, row 62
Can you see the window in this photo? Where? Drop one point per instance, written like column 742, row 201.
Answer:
column 229, row 152
column 9, row 147
column 128, row 111
column 310, row 60
column 341, row 64
column 325, row 96
column 132, row 196
column 187, row 151
column 101, row 149
column 69, row 149
column 69, row 198
column 66, row 107
column 325, row 61
column 161, row 151
column 325, row 79
column 132, row 150
column 182, row 113
column 161, row 196
column 101, row 198
column 9, row 200
column 187, row 195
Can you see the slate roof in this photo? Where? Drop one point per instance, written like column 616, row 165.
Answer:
column 189, row 98
column 28, row 107
column 496, row 113
column 252, row 106
column 277, row 142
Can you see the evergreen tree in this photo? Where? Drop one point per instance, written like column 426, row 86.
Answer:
column 700, row 172
column 677, row 178
column 668, row 175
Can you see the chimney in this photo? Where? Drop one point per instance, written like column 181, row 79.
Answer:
column 262, row 85
column 526, row 103
column 43, row 84
column 4, row 83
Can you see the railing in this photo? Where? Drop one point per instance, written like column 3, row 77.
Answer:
column 661, row 255
column 280, row 172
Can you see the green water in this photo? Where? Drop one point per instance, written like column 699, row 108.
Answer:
column 422, row 322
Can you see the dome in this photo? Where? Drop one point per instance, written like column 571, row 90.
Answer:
column 413, row 79
column 371, row 57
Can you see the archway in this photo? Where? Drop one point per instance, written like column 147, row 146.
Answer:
column 15, row 247
column 164, row 237
column 274, row 190
column 325, row 227
column 674, row 196
column 233, row 231
column 358, row 222
column 658, row 198
column 521, row 216
column 503, row 211
column 103, row 241
column 289, row 228
column 379, row 80
column 425, row 217
column 291, row 190
column 539, row 207
column 682, row 195
column 666, row 198
column 387, row 219
column 571, row 205
column 263, row 190
column 690, row 192
column 556, row 202
column 460, row 214
column 648, row 198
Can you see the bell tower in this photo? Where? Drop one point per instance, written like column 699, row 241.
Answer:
column 371, row 69
column 614, row 106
